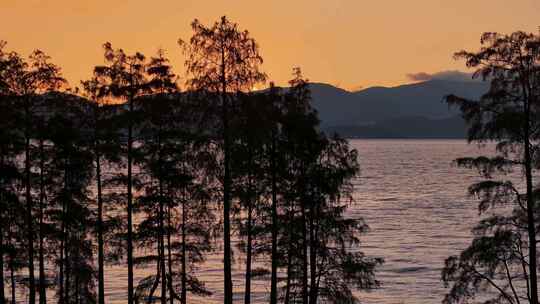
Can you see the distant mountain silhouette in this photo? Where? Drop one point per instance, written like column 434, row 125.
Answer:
column 412, row 110
column 409, row 111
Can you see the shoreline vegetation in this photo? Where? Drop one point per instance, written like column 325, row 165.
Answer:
column 192, row 167
column 128, row 169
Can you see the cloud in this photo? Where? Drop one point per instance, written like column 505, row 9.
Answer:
column 421, row 76
column 443, row 75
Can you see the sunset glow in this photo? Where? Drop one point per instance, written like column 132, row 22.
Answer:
column 348, row 43
column 269, row 152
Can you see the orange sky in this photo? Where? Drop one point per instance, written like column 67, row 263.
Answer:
column 348, row 43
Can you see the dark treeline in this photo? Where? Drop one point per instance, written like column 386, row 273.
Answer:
column 131, row 170
column 128, row 169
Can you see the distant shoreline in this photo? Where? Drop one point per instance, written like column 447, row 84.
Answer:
column 411, row 138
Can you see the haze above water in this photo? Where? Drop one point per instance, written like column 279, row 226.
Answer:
column 415, row 202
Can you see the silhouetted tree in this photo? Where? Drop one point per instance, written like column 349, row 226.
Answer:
column 26, row 82
column 249, row 163
column 124, row 78
column 503, row 254
column 4, row 181
column 300, row 137
column 223, row 60
column 191, row 186
column 71, row 171
column 157, row 135
column 10, row 148
column 163, row 83
column 11, row 213
column 91, row 88
column 274, row 101
column 284, row 182
column 319, row 244
column 104, row 138
column 335, row 261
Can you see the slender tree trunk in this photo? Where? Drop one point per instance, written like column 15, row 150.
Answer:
column 101, row 258
column 304, row 255
column 247, row 295
column 29, row 216
column 273, row 280
column 11, row 262
column 226, row 189
column 249, row 245
column 161, row 216
column 130, row 204
column 2, row 222
column 288, row 280
column 169, row 256
column 162, row 245
column 318, row 280
column 67, row 288
column 312, row 259
column 156, row 283
column 183, row 296
column 42, row 287
column 531, row 206
column 61, row 297
column 289, row 259
column 2, row 295
column 67, row 243
column 12, row 277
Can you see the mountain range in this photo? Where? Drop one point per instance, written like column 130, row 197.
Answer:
column 414, row 110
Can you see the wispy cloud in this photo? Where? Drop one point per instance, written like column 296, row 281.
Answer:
column 420, row 76
column 443, row 75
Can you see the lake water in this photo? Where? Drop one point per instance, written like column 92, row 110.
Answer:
column 414, row 201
